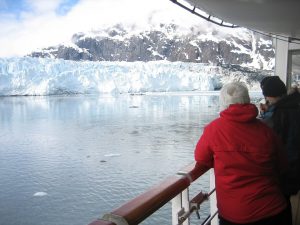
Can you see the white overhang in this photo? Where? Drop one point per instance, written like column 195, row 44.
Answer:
column 280, row 17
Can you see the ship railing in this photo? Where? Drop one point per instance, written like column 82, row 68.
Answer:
column 174, row 189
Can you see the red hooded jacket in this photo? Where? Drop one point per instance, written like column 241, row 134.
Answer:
column 247, row 158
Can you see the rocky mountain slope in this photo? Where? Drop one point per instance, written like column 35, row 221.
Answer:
column 170, row 42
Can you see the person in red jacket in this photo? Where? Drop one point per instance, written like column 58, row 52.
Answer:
column 247, row 159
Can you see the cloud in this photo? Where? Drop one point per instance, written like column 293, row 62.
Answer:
column 44, row 23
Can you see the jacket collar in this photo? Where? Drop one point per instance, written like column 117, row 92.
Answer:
column 240, row 112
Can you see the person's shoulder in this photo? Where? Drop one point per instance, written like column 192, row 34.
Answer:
column 213, row 124
column 288, row 102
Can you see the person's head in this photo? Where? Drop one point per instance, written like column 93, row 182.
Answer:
column 233, row 93
column 273, row 89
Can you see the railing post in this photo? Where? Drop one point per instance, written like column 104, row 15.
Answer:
column 176, row 208
column 180, row 205
column 186, row 204
column 213, row 200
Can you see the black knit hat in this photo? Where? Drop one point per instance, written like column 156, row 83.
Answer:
column 273, row 87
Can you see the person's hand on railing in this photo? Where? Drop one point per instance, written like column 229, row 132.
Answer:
column 193, row 171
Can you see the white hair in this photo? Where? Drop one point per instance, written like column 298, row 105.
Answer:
column 233, row 93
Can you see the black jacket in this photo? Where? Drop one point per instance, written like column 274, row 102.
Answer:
column 286, row 123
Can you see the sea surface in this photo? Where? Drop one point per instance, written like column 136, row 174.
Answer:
column 67, row 160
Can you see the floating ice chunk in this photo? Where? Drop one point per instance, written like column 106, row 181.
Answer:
column 40, row 194
column 112, row 155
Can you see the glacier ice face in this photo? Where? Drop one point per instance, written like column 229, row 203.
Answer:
column 42, row 76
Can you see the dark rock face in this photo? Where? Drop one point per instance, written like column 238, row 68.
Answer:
column 117, row 44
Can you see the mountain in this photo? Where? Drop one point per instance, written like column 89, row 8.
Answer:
column 234, row 46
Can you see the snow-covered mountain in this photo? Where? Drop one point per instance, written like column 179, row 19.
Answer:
column 123, row 59
column 233, row 46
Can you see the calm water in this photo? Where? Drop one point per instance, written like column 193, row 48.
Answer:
column 69, row 160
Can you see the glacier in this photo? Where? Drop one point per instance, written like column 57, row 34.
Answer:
column 43, row 76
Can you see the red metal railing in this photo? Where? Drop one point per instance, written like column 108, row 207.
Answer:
column 141, row 207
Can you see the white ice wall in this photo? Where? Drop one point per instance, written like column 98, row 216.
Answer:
column 37, row 76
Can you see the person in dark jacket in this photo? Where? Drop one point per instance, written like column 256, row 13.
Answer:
column 282, row 113
column 247, row 159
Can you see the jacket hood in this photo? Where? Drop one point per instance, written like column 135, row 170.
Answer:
column 240, row 112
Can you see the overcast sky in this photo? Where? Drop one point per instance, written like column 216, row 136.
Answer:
column 27, row 25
